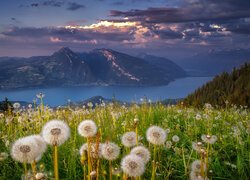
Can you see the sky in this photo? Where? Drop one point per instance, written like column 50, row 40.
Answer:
column 169, row 28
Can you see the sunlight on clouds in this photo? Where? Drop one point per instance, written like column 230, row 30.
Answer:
column 105, row 24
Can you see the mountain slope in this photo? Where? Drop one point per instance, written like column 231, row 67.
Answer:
column 67, row 68
column 233, row 87
column 167, row 67
column 62, row 68
column 114, row 67
column 214, row 62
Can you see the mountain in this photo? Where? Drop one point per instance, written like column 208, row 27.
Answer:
column 214, row 62
column 233, row 87
column 63, row 67
column 113, row 67
column 168, row 67
column 67, row 68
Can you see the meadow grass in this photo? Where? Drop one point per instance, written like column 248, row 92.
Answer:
column 228, row 157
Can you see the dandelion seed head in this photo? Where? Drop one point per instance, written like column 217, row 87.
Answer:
column 25, row 150
column 209, row 139
column 42, row 146
column 133, row 165
column 168, row 144
column 129, row 139
column 142, row 152
column 95, row 150
column 87, row 128
column 175, row 138
column 110, row 151
column 196, row 166
column 55, row 132
column 156, row 135
column 16, row 105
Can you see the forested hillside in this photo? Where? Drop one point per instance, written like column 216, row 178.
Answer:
column 227, row 88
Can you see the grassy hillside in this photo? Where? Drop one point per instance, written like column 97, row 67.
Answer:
column 226, row 157
column 232, row 88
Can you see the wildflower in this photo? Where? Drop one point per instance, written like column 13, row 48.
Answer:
column 25, row 150
column 95, row 150
column 42, row 146
column 142, row 152
column 93, row 174
column 116, row 171
column 55, row 132
column 87, row 128
column 110, row 151
column 30, row 106
column 197, row 146
column 175, row 138
column 198, row 116
column 133, row 165
column 40, row 176
column 167, row 130
column 129, row 139
column 168, row 144
column 209, row 139
column 1, row 115
column 156, row 135
column 3, row 156
column 16, row 105
column 196, row 176
column 40, row 95
column 197, row 165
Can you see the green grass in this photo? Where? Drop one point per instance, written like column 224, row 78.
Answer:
column 230, row 125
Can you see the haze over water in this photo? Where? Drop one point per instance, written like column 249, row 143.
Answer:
column 59, row 96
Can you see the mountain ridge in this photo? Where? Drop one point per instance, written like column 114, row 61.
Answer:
column 67, row 68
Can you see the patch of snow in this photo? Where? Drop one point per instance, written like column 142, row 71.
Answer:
column 112, row 58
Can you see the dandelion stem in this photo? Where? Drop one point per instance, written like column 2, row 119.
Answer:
column 154, row 164
column 25, row 170
column 89, row 162
column 136, row 131
column 56, row 174
column 110, row 170
column 33, row 166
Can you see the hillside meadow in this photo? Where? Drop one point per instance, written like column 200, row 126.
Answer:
column 204, row 143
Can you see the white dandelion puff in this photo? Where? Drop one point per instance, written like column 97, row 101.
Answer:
column 175, row 138
column 40, row 95
column 209, row 139
column 110, row 151
column 87, row 128
column 25, row 150
column 142, row 152
column 129, row 139
column 197, row 165
column 197, row 146
column 133, row 165
column 156, row 135
column 168, row 144
column 55, row 132
column 95, row 150
column 196, row 176
column 16, row 105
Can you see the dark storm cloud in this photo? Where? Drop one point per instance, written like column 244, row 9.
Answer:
column 74, row 6
column 202, row 10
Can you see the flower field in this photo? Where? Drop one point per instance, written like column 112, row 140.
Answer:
column 114, row 141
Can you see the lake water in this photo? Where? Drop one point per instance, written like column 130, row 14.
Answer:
column 59, row 96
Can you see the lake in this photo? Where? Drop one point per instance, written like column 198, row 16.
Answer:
column 59, row 96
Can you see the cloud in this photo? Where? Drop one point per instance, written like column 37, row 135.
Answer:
column 74, row 6
column 198, row 10
column 71, row 6
column 53, row 3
